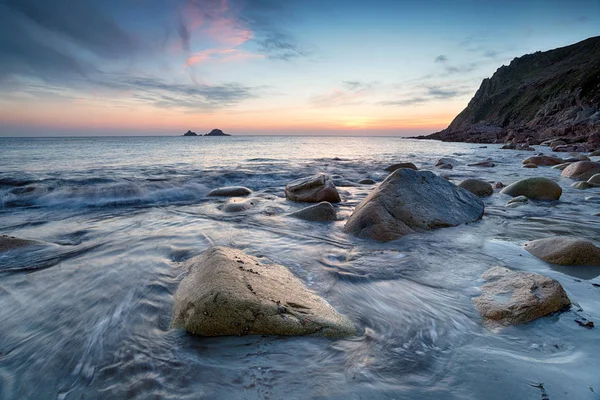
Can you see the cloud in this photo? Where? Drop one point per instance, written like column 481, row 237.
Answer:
column 184, row 35
column 426, row 94
column 351, row 93
column 441, row 59
column 220, row 55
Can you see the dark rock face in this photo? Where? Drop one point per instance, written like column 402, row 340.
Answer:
column 545, row 95
column 217, row 132
column 411, row 201
column 190, row 133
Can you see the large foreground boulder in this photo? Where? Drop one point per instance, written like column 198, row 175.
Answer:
column 10, row 242
column 227, row 292
column 323, row 211
column 581, row 170
column 412, row 201
column 314, row 189
column 511, row 297
column 564, row 250
column 230, row 191
column 534, row 188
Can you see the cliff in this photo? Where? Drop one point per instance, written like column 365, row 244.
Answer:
column 546, row 95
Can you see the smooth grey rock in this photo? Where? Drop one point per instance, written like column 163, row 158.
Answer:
column 512, row 298
column 517, row 201
column 581, row 170
column 561, row 167
column 565, row 250
column 477, row 187
column 408, row 165
column 227, row 292
column 230, row 191
column 412, row 201
column 313, row 189
column 323, row 211
column 238, row 204
column 534, row 188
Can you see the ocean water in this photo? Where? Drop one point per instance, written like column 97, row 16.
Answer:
column 87, row 315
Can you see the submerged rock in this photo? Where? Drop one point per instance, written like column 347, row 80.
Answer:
column 487, row 164
column 408, row 165
column 323, row 211
column 581, row 170
column 529, row 166
column 581, row 185
column 230, row 191
column 534, row 188
column 594, row 180
column 543, row 160
column 498, row 185
column 227, row 292
column 517, row 201
column 561, row 167
column 446, row 163
column 366, row 182
column 314, row 189
column 511, row 297
column 412, row 201
column 238, row 204
column 477, row 187
column 564, row 250
column 10, row 242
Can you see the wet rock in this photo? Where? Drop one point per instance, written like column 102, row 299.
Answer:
column 581, row 185
column 585, row 323
column 445, row 166
column 581, row 170
column 412, row 201
column 543, row 160
column 595, row 153
column 477, row 187
column 534, row 188
column 238, row 204
column 446, row 161
column 394, row 167
column 517, row 201
column 323, row 211
column 498, row 185
column 529, row 166
column 230, row 191
column 561, row 167
column 10, row 242
column 564, row 250
column 574, row 157
column 227, row 292
column 314, row 189
column 512, row 298
column 366, row 182
column 487, row 164
column 594, row 180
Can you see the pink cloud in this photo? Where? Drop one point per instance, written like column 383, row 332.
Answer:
column 220, row 55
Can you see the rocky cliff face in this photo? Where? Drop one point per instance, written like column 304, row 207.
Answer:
column 546, row 95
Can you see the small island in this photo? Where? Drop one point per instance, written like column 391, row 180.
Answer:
column 214, row 132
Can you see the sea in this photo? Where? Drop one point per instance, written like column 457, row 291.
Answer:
column 87, row 314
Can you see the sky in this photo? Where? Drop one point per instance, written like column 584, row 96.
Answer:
column 251, row 67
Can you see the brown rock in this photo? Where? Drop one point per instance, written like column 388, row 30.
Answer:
column 543, row 160
column 534, row 188
column 511, row 297
column 314, row 189
column 564, row 250
column 477, row 187
column 230, row 191
column 227, row 292
column 529, row 166
column 408, row 165
column 581, row 170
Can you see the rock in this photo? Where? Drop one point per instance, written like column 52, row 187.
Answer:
column 581, row 170
column 555, row 143
column 477, row 187
column 314, row 189
column 10, row 242
column 561, row 167
column 517, row 201
column 446, row 161
column 230, row 191
column 498, row 185
column 238, row 204
column 408, row 165
column 445, row 166
column 581, row 185
column 323, row 211
column 512, row 298
column 366, row 182
column 574, row 157
column 190, row 133
column 217, row 132
column 412, row 201
column 595, row 153
column 487, row 164
column 227, row 292
column 543, row 160
column 594, row 180
column 529, row 166
column 534, row 188
column 564, row 250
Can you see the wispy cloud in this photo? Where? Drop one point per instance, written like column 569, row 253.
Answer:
column 350, row 93
column 220, row 55
column 426, row 94
column 441, row 59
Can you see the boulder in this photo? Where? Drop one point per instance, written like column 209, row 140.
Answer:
column 498, row 185
column 446, row 161
column 227, row 292
column 595, row 153
column 230, row 191
column 314, row 189
column 511, row 297
column 581, row 170
column 366, row 182
column 564, row 250
column 238, row 204
column 477, row 187
column 561, row 167
column 594, row 180
column 412, row 201
column 543, row 160
column 581, row 185
column 323, row 211
column 529, row 166
column 408, row 165
column 10, row 242
column 534, row 188
column 444, row 166
column 487, row 164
